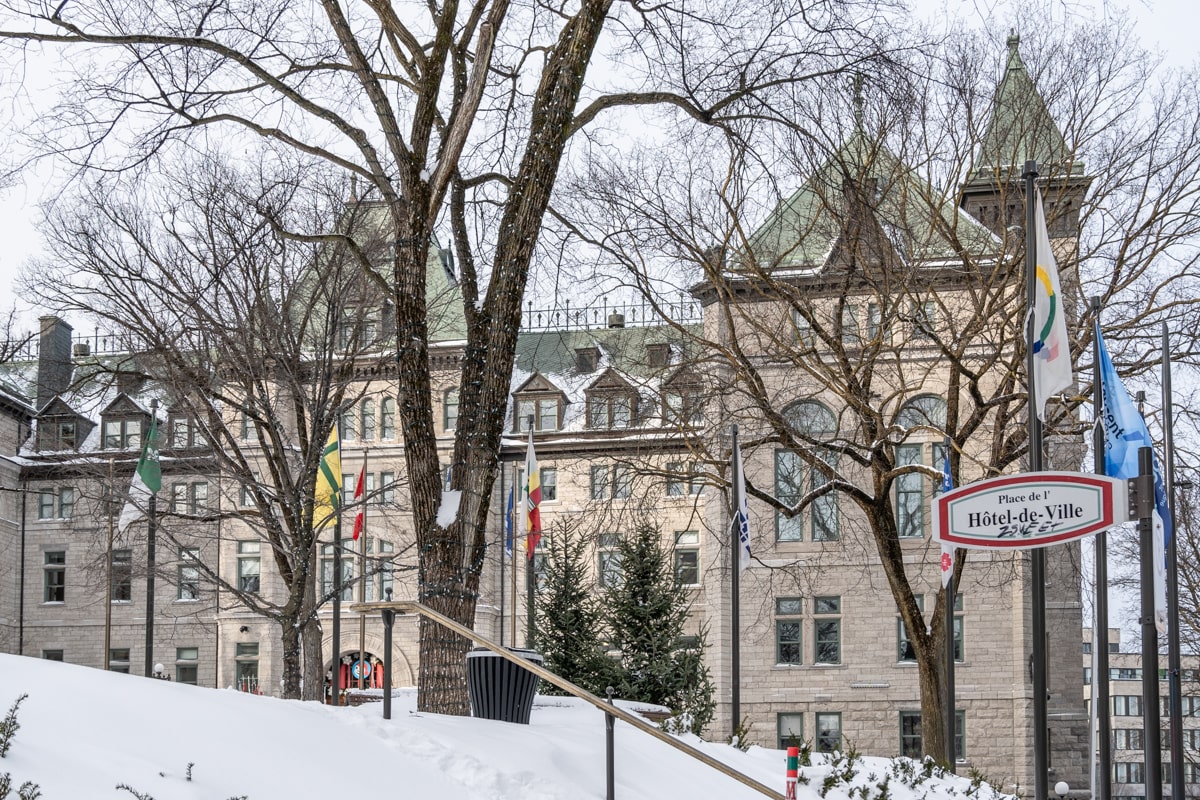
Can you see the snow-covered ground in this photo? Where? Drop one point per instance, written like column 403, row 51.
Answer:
column 84, row 732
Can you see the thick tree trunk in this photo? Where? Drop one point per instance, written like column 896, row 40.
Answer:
column 933, row 729
column 290, row 642
column 442, row 681
column 314, row 662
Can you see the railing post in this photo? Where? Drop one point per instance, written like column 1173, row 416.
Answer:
column 609, row 723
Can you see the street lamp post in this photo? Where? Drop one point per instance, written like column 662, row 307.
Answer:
column 389, row 619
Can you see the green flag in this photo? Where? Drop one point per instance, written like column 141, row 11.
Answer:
column 147, row 480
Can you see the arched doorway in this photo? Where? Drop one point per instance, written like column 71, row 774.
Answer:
column 355, row 673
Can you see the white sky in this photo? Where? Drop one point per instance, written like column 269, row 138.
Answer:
column 1164, row 24
column 84, row 731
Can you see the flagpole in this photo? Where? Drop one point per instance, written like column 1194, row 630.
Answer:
column 948, row 604
column 1174, row 686
column 1152, row 737
column 108, row 572
column 151, row 514
column 503, row 551
column 335, row 502
column 513, row 585
column 735, row 672
column 1041, row 737
column 362, row 573
column 1101, row 702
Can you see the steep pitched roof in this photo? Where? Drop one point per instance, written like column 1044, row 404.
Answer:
column 864, row 205
column 1021, row 128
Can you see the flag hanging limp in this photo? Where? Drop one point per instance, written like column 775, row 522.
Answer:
column 741, row 507
column 358, row 501
column 533, row 500
column 327, row 493
column 1125, row 433
column 147, row 480
column 1051, row 348
column 947, row 560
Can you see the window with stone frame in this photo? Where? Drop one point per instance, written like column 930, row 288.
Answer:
column 366, row 409
column 687, row 557
column 910, row 735
column 121, row 576
column 544, row 410
column 184, row 432
column 829, row 732
column 188, row 574
column 54, row 576
column 796, row 477
column 789, row 727
column 249, row 566
column 387, row 419
column 609, row 571
column 123, row 433
column 789, row 630
column 187, row 665
column 118, row 660
column 827, row 629
column 450, row 409
column 246, row 667
column 904, row 648
column 611, row 410
column 682, row 479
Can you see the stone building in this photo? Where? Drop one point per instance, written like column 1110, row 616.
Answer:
column 630, row 415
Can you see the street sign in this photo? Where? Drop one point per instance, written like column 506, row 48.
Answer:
column 1030, row 509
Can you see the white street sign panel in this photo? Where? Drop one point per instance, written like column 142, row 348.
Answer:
column 1030, row 509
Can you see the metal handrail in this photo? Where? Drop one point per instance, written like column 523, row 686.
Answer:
column 420, row 609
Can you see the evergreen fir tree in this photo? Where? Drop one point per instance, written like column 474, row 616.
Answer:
column 646, row 615
column 568, row 626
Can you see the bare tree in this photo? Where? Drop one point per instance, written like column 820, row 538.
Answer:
column 865, row 315
column 453, row 115
column 226, row 299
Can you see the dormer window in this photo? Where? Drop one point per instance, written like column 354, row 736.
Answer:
column 67, row 434
column 123, row 434
column 184, row 433
column 611, row 410
column 544, row 411
column 684, row 406
column 658, row 354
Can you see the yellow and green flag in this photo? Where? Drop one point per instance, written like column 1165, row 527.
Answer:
column 328, row 491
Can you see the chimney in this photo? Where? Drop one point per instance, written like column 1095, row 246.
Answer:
column 54, row 360
column 616, row 320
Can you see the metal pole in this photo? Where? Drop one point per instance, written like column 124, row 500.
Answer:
column 520, row 490
column 1174, row 673
column 735, row 655
column 610, row 723
column 389, row 619
column 950, row 716
column 108, row 571
column 151, row 524
column 1152, row 737
column 505, row 527
column 530, row 574
column 362, row 578
column 336, row 677
column 1041, row 734
column 1101, row 691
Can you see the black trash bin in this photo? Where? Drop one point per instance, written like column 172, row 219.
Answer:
column 498, row 688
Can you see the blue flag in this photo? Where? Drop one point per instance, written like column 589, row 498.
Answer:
column 508, row 512
column 946, row 564
column 1125, row 433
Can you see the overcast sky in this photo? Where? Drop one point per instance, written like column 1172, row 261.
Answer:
column 1165, row 24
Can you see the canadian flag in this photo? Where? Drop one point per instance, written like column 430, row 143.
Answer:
column 358, row 496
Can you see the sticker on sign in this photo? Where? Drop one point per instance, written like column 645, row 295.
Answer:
column 1030, row 509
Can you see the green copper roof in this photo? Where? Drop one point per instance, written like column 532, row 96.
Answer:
column 552, row 352
column 1021, row 127
column 902, row 214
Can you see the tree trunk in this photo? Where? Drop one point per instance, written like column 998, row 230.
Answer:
column 442, row 680
column 314, row 664
column 290, row 641
column 933, row 729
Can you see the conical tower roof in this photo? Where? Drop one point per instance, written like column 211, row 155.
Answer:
column 1021, row 127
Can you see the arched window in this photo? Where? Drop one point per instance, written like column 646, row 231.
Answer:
column 368, row 419
column 387, row 418
column 795, row 477
column 927, row 410
column 349, row 432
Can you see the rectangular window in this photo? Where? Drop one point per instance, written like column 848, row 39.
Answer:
column 910, row 500
column 609, row 560
column 525, row 409
column 788, row 626
column 790, row 728
column 849, row 325
column 874, row 321
column 249, row 432
column 249, row 566
column 67, row 434
column 178, row 498
column 829, row 731
column 687, row 557
column 383, row 566
column 187, row 665
column 547, row 415
column 1127, row 705
column 622, row 482
column 1128, row 738
column 924, row 319
column 598, row 412
column 789, row 482
column 387, row 418
column 46, row 502
column 622, row 411
column 803, row 329
column 112, row 434
column 66, row 502
column 55, row 577
column 188, row 574
column 52, row 655
column 348, row 431
column 246, row 667
column 549, row 478
column 1129, row 772
column 675, row 481
column 450, row 409
column 910, row 735
column 198, row 498
column 181, row 432
column 827, row 630
column 904, row 648
column 118, row 660
column 122, row 576
column 327, row 575
column 599, row 482
column 367, row 409
column 387, row 488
